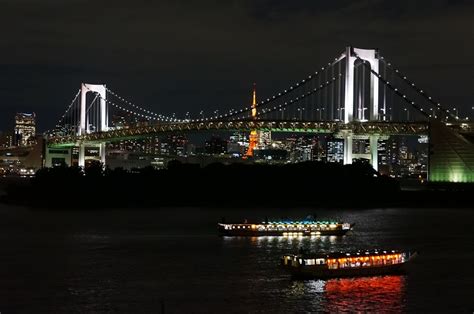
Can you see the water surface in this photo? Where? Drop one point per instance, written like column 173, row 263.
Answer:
column 172, row 259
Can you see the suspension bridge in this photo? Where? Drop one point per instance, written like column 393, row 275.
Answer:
column 357, row 95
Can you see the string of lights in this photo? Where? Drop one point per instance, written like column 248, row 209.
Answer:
column 417, row 89
column 268, row 100
column 231, row 112
column 150, row 113
column 303, row 96
column 125, row 109
column 131, row 112
column 69, row 107
column 160, row 118
column 394, row 89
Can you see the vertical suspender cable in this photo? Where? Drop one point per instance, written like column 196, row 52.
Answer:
column 363, row 94
column 338, row 93
column 384, row 92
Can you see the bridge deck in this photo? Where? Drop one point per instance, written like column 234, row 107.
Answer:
column 316, row 127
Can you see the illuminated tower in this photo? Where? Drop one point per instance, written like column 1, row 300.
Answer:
column 253, row 138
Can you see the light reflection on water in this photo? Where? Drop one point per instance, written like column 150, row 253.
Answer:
column 289, row 244
column 124, row 261
column 365, row 294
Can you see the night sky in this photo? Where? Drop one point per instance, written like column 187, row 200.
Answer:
column 178, row 56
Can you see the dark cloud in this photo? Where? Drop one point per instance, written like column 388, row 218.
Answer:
column 181, row 55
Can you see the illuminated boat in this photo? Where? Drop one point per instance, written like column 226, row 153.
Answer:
column 346, row 264
column 284, row 228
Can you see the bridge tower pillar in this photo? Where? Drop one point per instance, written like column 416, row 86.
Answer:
column 101, row 90
column 374, row 152
column 347, row 136
column 81, row 162
column 349, row 87
column 102, row 153
column 83, row 127
column 369, row 55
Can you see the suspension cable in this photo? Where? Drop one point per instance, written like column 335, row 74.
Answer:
column 403, row 96
column 148, row 112
column 281, row 94
column 417, row 89
column 136, row 113
column 303, row 96
column 69, row 107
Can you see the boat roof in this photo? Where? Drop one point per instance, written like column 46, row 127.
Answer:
column 286, row 222
column 341, row 254
column 306, row 222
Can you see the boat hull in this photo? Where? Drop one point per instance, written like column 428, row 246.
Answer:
column 256, row 233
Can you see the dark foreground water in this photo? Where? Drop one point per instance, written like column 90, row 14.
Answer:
column 144, row 261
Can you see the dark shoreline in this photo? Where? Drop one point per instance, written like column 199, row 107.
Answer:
column 314, row 185
column 402, row 199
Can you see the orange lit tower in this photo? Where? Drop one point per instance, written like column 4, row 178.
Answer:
column 253, row 138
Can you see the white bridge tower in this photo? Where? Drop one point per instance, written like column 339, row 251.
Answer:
column 83, row 127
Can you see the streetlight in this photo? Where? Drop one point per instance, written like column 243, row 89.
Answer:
column 408, row 114
column 202, row 114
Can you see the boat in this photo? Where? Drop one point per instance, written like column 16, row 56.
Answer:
column 287, row 228
column 346, row 264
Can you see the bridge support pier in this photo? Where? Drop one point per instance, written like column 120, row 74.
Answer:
column 102, row 153
column 81, row 162
column 374, row 152
column 348, row 148
column 53, row 157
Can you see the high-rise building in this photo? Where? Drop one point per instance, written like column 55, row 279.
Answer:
column 335, row 150
column 306, row 148
column 238, row 144
column 383, row 157
column 264, row 139
column 152, row 145
column 6, row 140
column 360, row 146
column 216, row 146
column 25, row 129
column 393, row 151
column 174, row 145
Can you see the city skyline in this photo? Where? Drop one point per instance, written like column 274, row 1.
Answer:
column 242, row 156
column 206, row 63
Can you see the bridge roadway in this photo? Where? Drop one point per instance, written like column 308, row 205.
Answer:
column 315, row 127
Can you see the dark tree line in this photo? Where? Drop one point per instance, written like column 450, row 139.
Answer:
column 235, row 185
